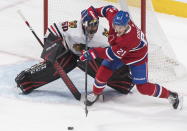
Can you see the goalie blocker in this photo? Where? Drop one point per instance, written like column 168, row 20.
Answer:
column 44, row 72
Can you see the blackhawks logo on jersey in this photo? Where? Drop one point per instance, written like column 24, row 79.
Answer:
column 105, row 32
column 73, row 24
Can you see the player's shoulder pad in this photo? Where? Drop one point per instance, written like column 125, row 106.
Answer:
column 68, row 24
column 72, row 24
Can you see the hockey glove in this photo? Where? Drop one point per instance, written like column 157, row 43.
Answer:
column 88, row 55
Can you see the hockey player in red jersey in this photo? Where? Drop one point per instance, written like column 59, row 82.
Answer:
column 128, row 46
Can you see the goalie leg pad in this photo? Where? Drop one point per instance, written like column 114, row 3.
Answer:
column 43, row 73
column 35, row 77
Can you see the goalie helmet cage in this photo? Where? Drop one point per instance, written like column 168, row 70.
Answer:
column 163, row 65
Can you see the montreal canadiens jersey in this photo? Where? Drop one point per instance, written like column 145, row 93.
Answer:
column 131, row 47
column 72, row 33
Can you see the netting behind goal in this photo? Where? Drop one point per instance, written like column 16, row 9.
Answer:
column 163, row 66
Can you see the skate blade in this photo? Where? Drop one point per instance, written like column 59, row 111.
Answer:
column 180, row 106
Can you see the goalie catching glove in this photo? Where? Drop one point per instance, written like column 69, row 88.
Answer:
column 88, row 55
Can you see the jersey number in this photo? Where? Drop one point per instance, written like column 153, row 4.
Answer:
column 121, row 52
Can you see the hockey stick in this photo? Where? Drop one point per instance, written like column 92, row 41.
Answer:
column 86, row 74
column 28, row 25
column 60, row 71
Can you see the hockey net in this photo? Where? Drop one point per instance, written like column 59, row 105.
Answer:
column 163, row 65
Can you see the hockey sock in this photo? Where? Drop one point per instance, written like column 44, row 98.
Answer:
column 101, row 79
column 153, row 90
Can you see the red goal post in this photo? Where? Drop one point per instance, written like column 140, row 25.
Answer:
column 45, row 15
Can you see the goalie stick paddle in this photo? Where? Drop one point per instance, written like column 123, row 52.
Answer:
column 59, row 69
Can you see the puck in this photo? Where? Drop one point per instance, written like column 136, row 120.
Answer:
column 70, row 128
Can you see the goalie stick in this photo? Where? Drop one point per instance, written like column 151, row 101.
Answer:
column 59, row 69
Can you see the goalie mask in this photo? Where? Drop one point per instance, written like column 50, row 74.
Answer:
column 89, row 23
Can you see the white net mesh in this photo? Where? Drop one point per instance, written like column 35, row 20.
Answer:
column 163, row 66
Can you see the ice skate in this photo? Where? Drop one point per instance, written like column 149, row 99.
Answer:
column 175, row 100
column 92, row 98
